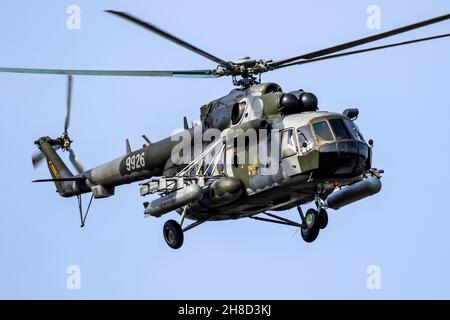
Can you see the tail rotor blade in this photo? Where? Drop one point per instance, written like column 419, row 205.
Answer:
column 69, row 102
column 37, row 158
column 75, row 161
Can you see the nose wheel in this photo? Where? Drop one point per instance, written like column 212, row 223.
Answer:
column 312, row 222
column 323, row 218
column 310, row 226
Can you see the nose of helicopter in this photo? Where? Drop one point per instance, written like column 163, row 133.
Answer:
column 344, row 159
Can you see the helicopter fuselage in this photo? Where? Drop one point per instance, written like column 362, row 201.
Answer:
column 315, row 152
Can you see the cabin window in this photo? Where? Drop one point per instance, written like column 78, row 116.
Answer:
column 322, row 131
column 305, row 138
column 340, row 130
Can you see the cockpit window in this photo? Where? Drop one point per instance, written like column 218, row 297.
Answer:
column 322, row 131
column 288, row 143
column 353, row 130
column 340, row 131
column 305, row 138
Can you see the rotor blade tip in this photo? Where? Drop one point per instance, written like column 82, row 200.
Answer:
column 113, row 11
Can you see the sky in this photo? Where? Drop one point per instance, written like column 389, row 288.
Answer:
column 402, row 95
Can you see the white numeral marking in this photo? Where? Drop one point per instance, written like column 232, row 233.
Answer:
column 135, row 162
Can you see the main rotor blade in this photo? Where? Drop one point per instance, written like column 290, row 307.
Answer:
column 125, row 73
column 167, row 36
column 361, row 41
column 397, row 44
column 75, row 161
column 69, row 102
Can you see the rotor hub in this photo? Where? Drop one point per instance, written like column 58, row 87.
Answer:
column 65, row 141
column 245, row 71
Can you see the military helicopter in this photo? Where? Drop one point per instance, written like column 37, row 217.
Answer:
column 321, row 157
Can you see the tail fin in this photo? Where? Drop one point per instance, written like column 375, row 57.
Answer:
column 56, row 166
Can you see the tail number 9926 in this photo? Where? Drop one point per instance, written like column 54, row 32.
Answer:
column 135, row 162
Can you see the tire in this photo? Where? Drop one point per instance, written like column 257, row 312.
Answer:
column 309, row 235
column 323, row 219
column 173, row 234
column 310, row 227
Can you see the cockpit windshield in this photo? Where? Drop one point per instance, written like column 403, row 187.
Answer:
column 322, row 131
column 353, row 130
column 340, row 131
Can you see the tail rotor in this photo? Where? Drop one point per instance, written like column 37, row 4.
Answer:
column 64, row 142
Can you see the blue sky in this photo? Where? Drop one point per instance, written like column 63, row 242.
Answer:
column 402, row 94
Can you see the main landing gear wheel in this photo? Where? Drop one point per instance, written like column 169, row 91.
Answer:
column 311, row 226
column 173, row 234
column 323, row 218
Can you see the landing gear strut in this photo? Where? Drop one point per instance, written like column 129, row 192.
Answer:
column 310, row 225
column 323, row 215
column 83, row 216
